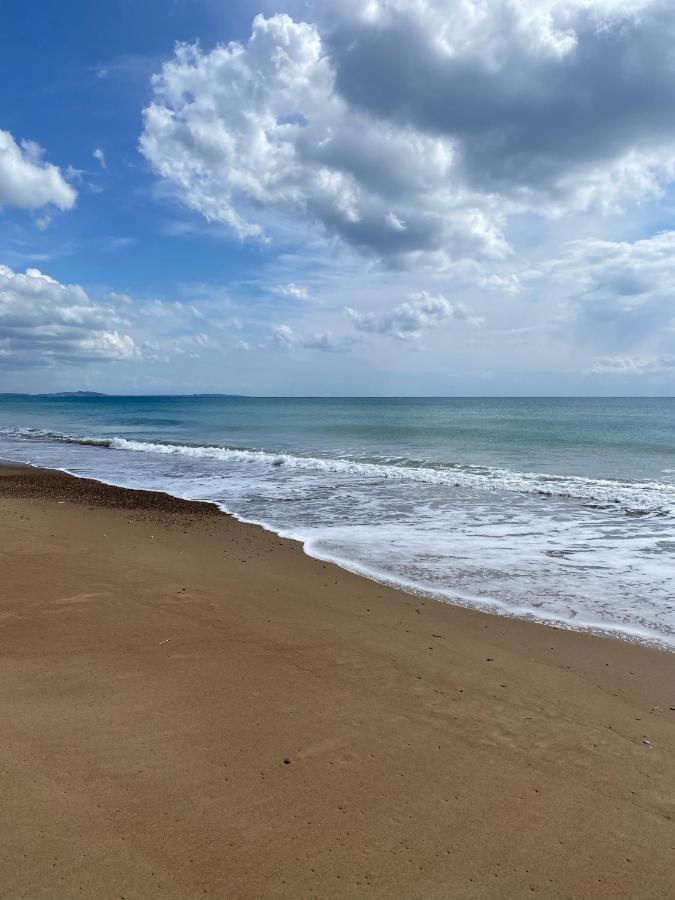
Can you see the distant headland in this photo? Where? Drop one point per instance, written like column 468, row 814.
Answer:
column 71, row 394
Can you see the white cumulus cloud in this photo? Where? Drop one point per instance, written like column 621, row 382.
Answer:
column 292, row 291
column 285, row 338
column 414, row 131
column 555, row 105
column 27, row 181
column 43, row 322
column 408, row 320
column 246, row 134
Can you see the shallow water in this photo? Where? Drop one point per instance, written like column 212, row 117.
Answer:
column 556, row 509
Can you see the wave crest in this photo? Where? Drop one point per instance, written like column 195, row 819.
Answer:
column 41, row 434
column 632, row 497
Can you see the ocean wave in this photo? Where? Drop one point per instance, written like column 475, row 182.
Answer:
column 41, row 434
column 631, row 497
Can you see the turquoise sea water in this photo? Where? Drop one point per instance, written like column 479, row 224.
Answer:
column 557, row 509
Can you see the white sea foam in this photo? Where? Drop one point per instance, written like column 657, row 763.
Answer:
column 41, row 434
column 641, row 497
column 641, row 630
column 560, row 549
column 638, row 497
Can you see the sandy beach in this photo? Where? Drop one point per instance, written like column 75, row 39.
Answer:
column 192, row 707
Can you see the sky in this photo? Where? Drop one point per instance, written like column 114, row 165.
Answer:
column 370, row 197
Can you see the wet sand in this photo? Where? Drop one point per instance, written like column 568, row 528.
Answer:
column 192, row 707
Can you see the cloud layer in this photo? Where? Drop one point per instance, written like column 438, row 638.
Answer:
column 554, row 105
column 251, row 134
column 412, row 131
column 486, row 178
column 617, row 294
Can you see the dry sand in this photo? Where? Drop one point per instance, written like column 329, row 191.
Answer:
column 191, row 707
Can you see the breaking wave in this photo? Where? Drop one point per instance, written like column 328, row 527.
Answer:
column 630, row 497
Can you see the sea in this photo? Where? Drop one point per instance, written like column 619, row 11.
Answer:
column 560, row 510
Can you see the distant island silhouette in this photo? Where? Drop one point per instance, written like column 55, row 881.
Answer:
column 99, row 394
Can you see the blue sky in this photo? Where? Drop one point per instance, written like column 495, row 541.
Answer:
column 359, row 198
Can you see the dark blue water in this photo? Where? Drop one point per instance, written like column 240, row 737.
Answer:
column 561, row 509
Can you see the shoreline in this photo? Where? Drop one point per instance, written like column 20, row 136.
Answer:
column 489, row 606
column 161, row 660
